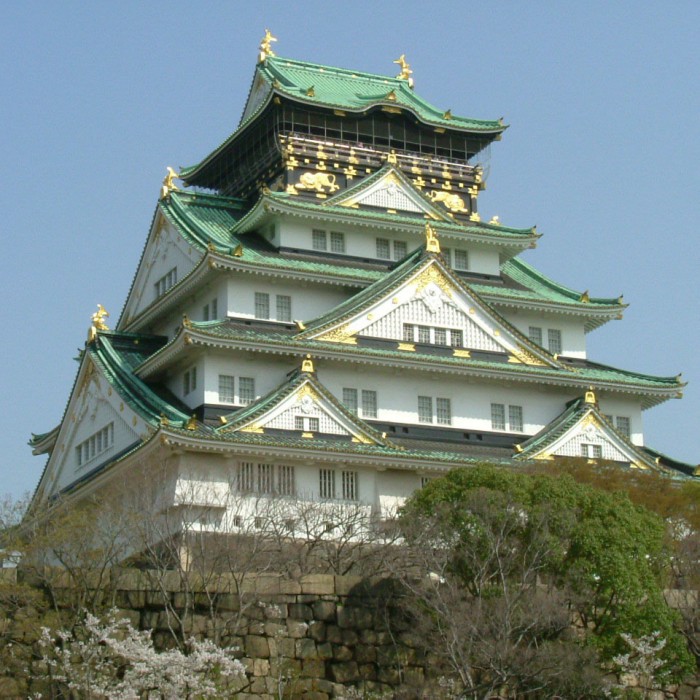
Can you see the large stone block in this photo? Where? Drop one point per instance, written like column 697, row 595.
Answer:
column 313, row 668
column 324, row 610
column 345, row 584
column 306, row 649
column 345, row 672
column 317, row 631
column 257, row 647
column 290, row 586
column 297, row 628
column 334, row 634
column 341, row 653
column 299, row 611
column 261, row 667
column 355, row 618
column 286, row 647
column 365, row 654
column 324, row 650
column 318, row 584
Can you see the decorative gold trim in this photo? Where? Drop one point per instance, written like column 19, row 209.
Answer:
column 452, row 201
column 97, row 323
column 432, row 245
column 434, row 276
column 253, row 428
column 238, row 251
column 307, row 364
column 318, row 181
column 192, row 423
column 168, row 185
column 408, row 347
column 265, row 48
column 406, row 71
column 458, row 352
column 342, row 334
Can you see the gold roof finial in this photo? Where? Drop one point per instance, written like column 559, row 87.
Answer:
column 168, row 184
column 97, row 322
column 191, row 423
column 585, row 297
column 406, row 71
column 590, row 396
column 265, row 48
column 307, row 365
column 432, row 245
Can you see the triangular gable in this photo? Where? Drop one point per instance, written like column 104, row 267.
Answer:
column 166, row 251
column 98, row 425
column 259, row 92
column 389, row 189
column 291, row 407
column 582, row 431
column 430, row 297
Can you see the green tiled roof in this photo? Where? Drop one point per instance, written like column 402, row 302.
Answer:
column 592, row 373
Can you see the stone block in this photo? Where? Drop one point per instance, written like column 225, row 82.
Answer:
column 355, row 618
column 297, row 628
column 389, row 675
column 317, row 631
column 299, row 611
column 341, row 652
column 275, row 629
column 334, row 634
column 286, row 647
column 413, row 676
column 274, row 611
column 257, row 628
column 314, row 695
column 257, row 647
column 306, row 649
column 368, row 672
column 158, row 599
column 290, row 587
column 324, row 610
column 131, row 599
column 365, row 654
column 324, row 650
column 313, row 668
column 261, row 667
column 345, row 672
column 350, row 637
column 345, row 584
column 318, row 584
column 386, row 655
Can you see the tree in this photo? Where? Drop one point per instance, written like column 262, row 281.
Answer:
column 526, row 555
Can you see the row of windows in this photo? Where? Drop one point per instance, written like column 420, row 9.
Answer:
column 505, row 417
column 345, row 487
column 622, row 423
column 554, row 344
column 362, row 403
column 266, row 479
column 283, row 307
column 385, row 246
column 165, row 282
column 96, row 444
column 320, row 241
column 452, row 337
column 238, row 392
column 457, row 259
column 439, row 411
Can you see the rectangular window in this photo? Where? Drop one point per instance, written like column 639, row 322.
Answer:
column 284, row 308
column 383, row 249
column 246, row 477
column 189, row 381
column 554, row 341
column 498, row 416
column 350, row 400
column 444, row 411
column 266, row 478
column 622, row 423
column 591, row 451
column 400, row 250
column 326, row 485
column 349, row 482
column 461, row 260
column 246, row 390
column 337, row 242
column 369, row 403
column 515, row 418
column 535, row 335
column 205, row 312
column 425, row 409
column 447, row 255
column 226, row 389
column 96, row 444
column 456, row 338
column 440, row 336
column 285, row 480
column 408, row 332
column 319, row 240
column 165, row 282
column 262, row 305
column 423, row 334
column 214, row 309
column 308, row 424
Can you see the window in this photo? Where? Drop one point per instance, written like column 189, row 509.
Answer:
column 227, row 392
column 408, row 332
column 444, row 411
column 349, row 483
column 425, row 409
column 447, row 255
column 246, row 476
column 318, row 240
column 326, row 486
column 450, row 337
column 285, row 480
column 266, row 478
column 423, row 334
column 284, row 308
column 210, row 311
column 591, row 451
column 246, row 390
column 383, row 249
column 262, row 305
column 205, row 312
column 554, row 341
column 189, row 381
column 306, row 423
column 515, row 418
column 440, row 335
column 622, row 423
column 337, row 242
column 96, row 444
column 369, row 403
column 456, row 338
column 400, row 250
column 535, row 335
column 425, row 480
column 165, row 282
column 498, row 417
column 461, row 260
column 350, row 400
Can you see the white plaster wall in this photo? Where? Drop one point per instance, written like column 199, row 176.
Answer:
column 573, row 337
column 612, row 405
column 175, row 382
column 309, row 300
column 360, row 241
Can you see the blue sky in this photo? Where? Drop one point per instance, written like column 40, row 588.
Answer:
column 602, row 154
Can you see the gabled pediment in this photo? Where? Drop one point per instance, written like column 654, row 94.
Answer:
column 305, row 406
column 389, row 190
column 583, row 431
column 423, row 302
column 166, row 260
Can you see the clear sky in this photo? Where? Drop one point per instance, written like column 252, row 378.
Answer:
column 602, row 154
